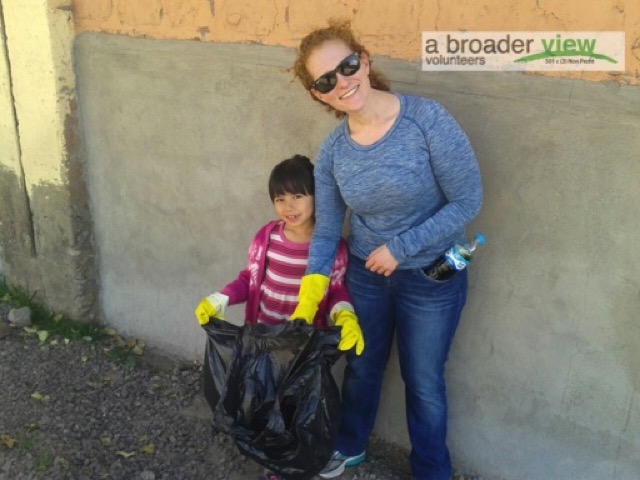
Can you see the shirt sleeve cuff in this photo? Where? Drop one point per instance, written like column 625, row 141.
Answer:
column 338, row 307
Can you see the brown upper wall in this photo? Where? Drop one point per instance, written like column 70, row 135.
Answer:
column 387, row 28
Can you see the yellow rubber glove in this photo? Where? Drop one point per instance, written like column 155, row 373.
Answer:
column 312, row 288
column 212, row 306
column 350, row 334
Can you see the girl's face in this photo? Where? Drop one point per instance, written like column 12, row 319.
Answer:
column 296, row 210
column 351, row 92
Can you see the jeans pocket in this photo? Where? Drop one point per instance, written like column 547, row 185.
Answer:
column 444, row 278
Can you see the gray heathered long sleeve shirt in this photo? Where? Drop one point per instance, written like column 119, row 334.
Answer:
column 414, row 190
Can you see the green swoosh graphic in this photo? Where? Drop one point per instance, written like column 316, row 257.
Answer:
column 541, row 55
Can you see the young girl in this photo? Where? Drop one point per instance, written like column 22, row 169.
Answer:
column 277, row 260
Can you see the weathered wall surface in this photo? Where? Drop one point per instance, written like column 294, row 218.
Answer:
column 178, row 174
column 178, row 138
column 543, row 375
column 45, row 227
column 388, row 28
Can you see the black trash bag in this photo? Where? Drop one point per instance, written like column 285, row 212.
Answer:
column 271, row 388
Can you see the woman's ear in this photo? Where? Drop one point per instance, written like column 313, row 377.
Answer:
column 365, row 61
column 317, row 95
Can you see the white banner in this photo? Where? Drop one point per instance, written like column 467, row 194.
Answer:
column 523, row 51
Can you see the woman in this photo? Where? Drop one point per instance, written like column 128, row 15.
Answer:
column 407, row 172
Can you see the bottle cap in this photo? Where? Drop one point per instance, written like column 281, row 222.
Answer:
column 480, row 239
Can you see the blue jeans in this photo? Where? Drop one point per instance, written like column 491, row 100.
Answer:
column 424, row 314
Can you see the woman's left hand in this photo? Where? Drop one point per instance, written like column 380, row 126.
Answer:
column 381, row 261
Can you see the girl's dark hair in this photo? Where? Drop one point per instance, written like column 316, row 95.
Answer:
column 293, row 175
column 338, row 30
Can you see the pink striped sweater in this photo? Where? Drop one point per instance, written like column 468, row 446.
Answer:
column 252, row 279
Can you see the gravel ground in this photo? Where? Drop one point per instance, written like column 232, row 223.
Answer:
column 67, row 411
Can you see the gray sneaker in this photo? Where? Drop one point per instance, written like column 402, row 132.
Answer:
column 337, row 463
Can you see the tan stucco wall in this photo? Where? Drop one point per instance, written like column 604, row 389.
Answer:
column 388, row 28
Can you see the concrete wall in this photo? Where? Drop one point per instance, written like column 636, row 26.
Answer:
column 543, row 376
column 180, row 140
column 45, row 225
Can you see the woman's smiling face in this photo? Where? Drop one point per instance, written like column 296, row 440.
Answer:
column 350, row 93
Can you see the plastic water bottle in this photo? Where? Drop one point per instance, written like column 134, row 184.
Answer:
column 455, row 259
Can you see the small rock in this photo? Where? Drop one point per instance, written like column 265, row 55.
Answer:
column 147, row 475
column 4, row 330
column 20, row 317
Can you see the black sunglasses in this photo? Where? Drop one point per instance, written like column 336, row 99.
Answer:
column 347, row 67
